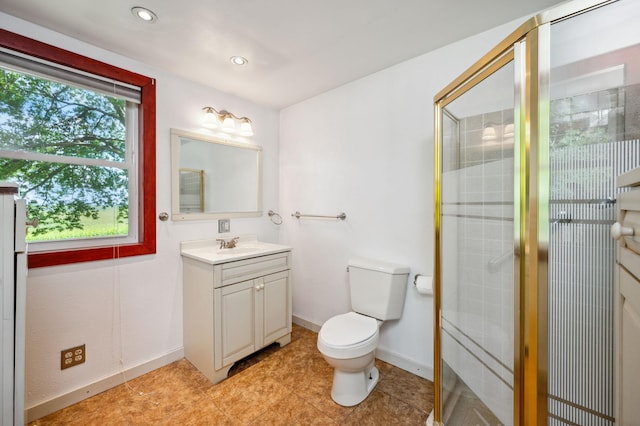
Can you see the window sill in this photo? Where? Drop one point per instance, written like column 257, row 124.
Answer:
column 65, row 257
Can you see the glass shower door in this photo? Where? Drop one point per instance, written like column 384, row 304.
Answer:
column 477, row 251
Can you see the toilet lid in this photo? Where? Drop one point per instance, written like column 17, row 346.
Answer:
column 348, row 329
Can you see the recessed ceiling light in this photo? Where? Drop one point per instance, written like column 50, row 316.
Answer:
column 144, row 14
column 238, row 60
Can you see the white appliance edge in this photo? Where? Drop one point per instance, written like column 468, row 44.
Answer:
column 13, row 273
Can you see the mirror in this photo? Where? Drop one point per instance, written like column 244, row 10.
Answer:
column 213, row 178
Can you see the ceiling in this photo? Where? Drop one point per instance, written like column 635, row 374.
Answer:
column 296, row 48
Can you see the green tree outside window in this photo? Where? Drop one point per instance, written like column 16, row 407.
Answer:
column 66, row 147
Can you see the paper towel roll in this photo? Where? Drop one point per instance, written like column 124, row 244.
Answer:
column 423, row 284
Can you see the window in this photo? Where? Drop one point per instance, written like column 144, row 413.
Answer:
column 78, row 135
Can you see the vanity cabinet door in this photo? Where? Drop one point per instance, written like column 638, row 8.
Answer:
column 237, row 321
column 629, row 347
column 276, row 307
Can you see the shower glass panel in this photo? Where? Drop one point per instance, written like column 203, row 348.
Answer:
column 594, row 132
column 477, row 238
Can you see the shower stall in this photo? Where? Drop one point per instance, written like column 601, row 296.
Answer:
column 529, row 142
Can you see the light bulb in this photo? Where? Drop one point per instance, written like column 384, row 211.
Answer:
column 489, row 134
column 210, row 119
column 245, row 128
column 508, row 131
column 229, row 125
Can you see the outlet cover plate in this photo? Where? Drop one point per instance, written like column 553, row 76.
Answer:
column 224, row 225
column 72, row 356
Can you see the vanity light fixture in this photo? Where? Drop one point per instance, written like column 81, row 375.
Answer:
column 145, row 14
column 226, row 121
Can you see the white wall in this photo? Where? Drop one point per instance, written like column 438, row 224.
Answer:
column 129, row 312
column 366, row 148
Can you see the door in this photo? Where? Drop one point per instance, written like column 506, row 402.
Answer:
column 477, row 251
column 276, row 312
column 238, row 321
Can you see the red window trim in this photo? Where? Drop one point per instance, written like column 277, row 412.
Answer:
column 147, row 135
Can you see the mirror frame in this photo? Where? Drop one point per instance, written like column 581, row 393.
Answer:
column 176, row 214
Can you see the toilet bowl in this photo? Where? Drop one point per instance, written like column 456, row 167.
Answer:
column 348, row 343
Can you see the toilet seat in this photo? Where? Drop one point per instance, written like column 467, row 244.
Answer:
column 348, row 336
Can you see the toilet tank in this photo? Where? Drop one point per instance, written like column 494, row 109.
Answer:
column 377, row 288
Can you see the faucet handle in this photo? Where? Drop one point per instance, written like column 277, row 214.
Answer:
column 223, row 243
column 232, row 242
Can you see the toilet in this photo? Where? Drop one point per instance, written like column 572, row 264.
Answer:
column 348, row 341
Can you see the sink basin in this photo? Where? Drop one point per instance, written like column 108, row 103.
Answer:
column 236, row 250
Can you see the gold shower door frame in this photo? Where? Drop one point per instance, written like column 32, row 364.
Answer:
column 529, row 48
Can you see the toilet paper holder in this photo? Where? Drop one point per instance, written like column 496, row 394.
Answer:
column 423, row 284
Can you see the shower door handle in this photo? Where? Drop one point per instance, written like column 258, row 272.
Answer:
column 618, row 231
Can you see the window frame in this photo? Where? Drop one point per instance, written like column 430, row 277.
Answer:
column 146, row 152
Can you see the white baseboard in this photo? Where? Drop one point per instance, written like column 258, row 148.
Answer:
column 306, row 324
column 80, row 394
column 383, row 354
column 407, row 364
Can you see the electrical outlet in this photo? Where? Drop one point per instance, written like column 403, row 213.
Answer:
column 224, row 225
column 72, row 356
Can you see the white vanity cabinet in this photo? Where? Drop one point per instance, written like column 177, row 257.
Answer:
column 234, row 308
column 627, row 232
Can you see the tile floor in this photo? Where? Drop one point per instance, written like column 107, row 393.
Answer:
column 278, row 386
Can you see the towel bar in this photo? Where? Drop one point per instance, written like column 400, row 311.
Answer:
column 298, row 215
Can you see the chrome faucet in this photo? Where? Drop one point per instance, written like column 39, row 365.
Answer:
column 224, row 244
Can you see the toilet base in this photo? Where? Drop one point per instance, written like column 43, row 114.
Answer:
column 351, row 388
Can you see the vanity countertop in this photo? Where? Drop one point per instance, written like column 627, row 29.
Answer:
column 209, row 251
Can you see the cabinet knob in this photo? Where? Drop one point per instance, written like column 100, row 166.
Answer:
column 618, row 231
